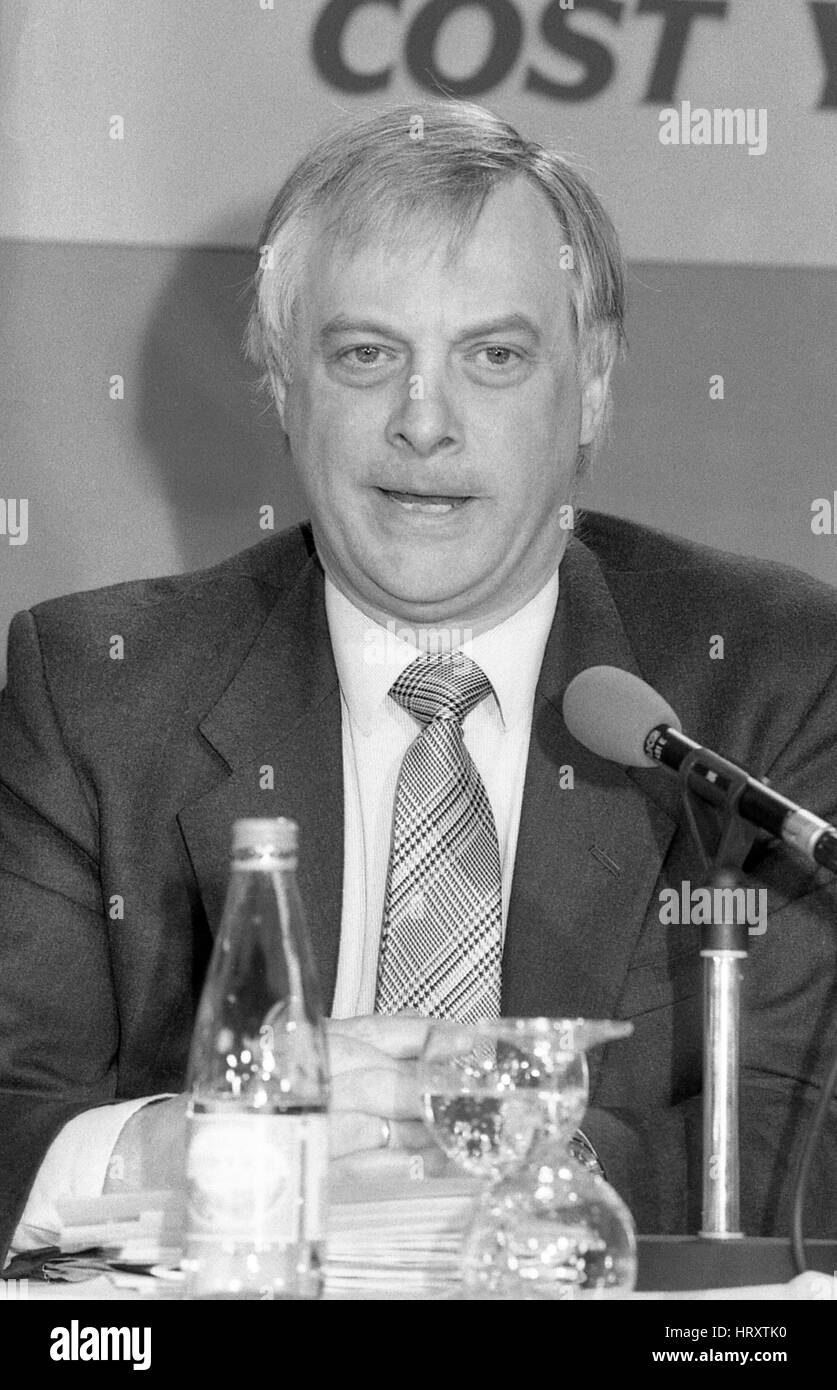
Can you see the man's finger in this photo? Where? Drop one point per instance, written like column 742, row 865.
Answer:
column 353, row 1132
column 391, row 1093
column 347, row 1053
column 373, row 1169
column 350, row 1175
column 399, row 1035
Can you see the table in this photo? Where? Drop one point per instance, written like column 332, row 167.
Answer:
column 670, row 1263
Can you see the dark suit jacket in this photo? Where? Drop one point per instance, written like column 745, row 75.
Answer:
column 122, row 777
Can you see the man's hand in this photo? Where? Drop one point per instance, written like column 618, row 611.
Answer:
column 376, row 1124
column 377, row 1129
column 150, row 1153
column 375, row 1097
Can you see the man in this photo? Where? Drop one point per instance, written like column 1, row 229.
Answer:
column 439, row 306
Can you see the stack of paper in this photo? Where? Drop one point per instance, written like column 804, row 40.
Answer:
column 141, row 1228
column 401, row 1241
column 405, row 1243
column 387, row 1242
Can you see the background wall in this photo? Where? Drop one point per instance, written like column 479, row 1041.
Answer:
column 129, row 256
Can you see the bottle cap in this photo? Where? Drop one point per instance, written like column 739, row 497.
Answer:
column 278, row 835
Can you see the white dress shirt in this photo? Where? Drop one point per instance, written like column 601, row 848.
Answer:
column 376, row 733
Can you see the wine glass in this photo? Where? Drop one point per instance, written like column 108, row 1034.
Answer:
column 503, row 1099
column 488, row 1088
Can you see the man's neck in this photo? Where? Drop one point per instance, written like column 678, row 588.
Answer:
column 453, row 625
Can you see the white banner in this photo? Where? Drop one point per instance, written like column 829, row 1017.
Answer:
column 708, row 126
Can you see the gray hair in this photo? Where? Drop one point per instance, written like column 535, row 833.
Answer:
column 428, row 165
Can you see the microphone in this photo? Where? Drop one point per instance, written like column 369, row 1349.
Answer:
column 618, row 717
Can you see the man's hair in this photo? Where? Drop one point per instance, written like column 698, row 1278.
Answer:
column 418, row 169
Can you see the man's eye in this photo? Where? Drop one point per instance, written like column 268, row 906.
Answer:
column 364, row 355
column 498, row 356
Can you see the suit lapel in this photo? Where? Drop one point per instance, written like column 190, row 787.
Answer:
column 280, row 717
column 589, row 851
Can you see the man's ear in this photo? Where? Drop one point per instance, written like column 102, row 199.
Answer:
column 279, row 387
column 593, row 404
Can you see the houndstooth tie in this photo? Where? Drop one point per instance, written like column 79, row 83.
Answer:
column 441, row 943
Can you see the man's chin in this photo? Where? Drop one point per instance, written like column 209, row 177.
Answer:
column 425, row 605
column 423, row 574
column 432, row 594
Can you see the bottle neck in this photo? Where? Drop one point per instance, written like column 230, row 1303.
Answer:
column 267, row 861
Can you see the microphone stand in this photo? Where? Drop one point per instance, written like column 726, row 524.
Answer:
column 724, row 945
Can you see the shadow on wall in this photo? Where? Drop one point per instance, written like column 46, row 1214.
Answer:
column 129, row 418
column 215, row 439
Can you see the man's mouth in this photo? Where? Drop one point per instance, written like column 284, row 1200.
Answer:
column 434, row 504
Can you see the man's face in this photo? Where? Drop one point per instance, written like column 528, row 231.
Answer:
column 435, row 415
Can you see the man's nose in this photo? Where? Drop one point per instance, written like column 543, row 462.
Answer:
column 424, row 420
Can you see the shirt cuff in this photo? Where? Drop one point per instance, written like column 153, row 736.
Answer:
column 74, row 1165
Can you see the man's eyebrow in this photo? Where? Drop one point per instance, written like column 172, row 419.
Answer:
column 343, row 323
column 508, row 323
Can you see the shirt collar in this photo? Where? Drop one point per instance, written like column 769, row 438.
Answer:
column 369, row 655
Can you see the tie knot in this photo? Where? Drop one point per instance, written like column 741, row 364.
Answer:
column 450, row 685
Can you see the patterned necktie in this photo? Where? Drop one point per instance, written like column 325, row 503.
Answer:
column 441, row 942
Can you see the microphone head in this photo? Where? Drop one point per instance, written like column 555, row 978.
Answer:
column 612, row 712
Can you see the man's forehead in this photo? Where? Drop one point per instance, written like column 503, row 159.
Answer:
column 511, row 254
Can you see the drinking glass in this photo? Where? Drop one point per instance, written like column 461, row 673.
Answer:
column 489, row 1087
column 503, row 1099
